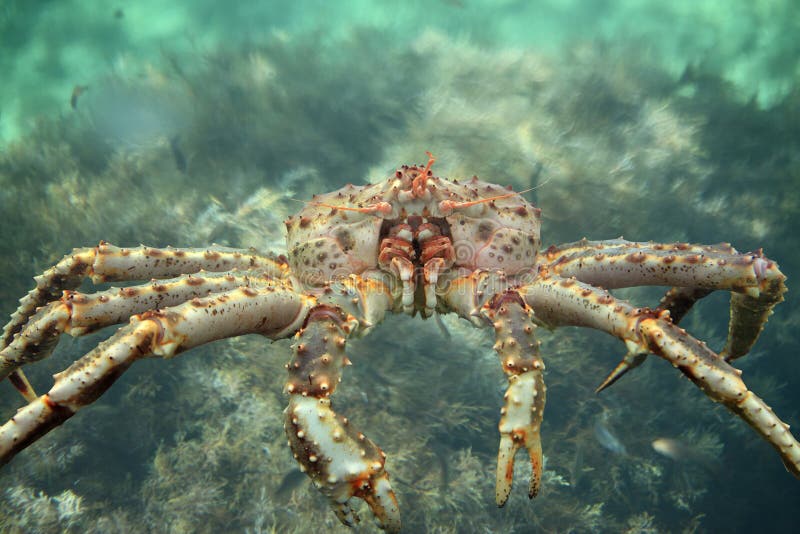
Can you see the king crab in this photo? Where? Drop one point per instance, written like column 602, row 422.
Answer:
column 414, row 243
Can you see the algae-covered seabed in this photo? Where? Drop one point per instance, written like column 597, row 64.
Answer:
column 199, row 126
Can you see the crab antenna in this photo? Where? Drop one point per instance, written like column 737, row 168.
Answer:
column 449, row 204
column 474, row 202
column 381, row 207
column 418, row 185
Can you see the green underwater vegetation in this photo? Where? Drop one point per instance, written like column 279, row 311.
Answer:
column 217, row 144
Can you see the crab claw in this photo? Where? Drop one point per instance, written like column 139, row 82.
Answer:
column 341, row 461
column 377, row 493
column 522, row 418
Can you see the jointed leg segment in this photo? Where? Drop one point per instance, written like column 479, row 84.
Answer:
column 79, row 313
column 275, row 311
column 755, row 282
column 567, row 302
column 105, row 263
column 523, row 411
column 341, row 461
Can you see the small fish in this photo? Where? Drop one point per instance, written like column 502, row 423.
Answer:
column 291, row 481
column 177, row 154
column 607, row 439
column 442, row 327
column 680, row 452
column 577, row 465
column 671, row 448
column 444, row 471
column 77, row 91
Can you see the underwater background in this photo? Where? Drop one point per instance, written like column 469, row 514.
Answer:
column 187, row 123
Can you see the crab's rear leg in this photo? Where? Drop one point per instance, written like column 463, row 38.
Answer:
column 751, row 309
column 755, row 282
column 525, row 398
column 679, row 300
column 106, row 262
column 566, row 302
column 676, row 302
column 275, row 311
column 78, row 313
column 341, row 461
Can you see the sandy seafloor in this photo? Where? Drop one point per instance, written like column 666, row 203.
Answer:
column 197, row 123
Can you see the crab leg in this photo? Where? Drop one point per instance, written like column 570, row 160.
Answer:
column 679, row 300
column 607, row 261
column 524, row 400
column 465, row 295
column 79, row 313
column 341, row 461
column 275, row 311
column 756, row 283
column 618, row 263
column 560, row 301
column 106, row 263
column 471, row 297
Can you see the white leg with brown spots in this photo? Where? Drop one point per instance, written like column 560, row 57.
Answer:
column 565, row 302
column 275, row 311
column 78, row 313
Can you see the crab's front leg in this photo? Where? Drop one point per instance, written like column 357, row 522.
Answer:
column 567, row 302
column 524, row 400
column 341, row 461
column 489, row 295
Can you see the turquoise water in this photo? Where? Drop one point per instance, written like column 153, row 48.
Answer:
column 195, row 123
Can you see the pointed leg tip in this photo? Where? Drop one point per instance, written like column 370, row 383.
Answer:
column 536, row 478
column 503, row 490
column 613, row 376
column 505, row 469
column 605, row 384
column 533, row 489
column 20, row 382
column 501, row 499
column 630, row 361
column 346, row 515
